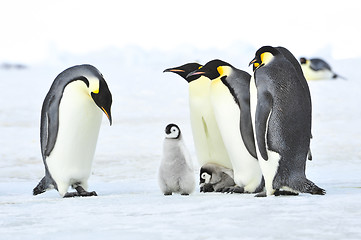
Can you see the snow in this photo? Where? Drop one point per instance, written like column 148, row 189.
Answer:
column 130, row 204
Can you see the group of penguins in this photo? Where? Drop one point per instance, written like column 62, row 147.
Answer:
column 251, row 133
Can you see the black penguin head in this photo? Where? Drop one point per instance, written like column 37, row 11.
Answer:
column 303, row 60
column 103, row 98
column 172, row 131
column 213, row 70
column 184, row 70
column 205, row 175
column 263, row 56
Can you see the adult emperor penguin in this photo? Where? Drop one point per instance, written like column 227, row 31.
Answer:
column 206, row 135
column 176, row 174
column 281, row 115
column 316, row 69
column 234, row 120
column 70, row 123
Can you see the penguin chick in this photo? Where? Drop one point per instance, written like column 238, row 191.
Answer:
column 316, row 69
column 216, row 178
column 176, row 174
column 281, row 117
column 70, row 121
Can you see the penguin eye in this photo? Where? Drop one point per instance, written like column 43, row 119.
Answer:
column 203, row 175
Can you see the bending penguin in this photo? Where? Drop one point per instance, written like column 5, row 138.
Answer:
column 206, row 135
column 70, row 121
column 234, row 120
column 176, row 174
column 281, row 115
column 316, row 68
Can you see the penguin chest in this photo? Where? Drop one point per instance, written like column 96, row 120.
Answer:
column 207, row 137
column 246, row 168
column 269, row 167
column 311, row 74
column 79, row 123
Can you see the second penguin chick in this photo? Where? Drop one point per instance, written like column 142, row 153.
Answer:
column 176, row 174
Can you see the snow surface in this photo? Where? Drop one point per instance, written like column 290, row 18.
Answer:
column 130, row 204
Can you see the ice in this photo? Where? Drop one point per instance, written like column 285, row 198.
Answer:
column 130, row 204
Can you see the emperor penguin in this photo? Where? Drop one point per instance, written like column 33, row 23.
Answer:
column 176, row 174
column 216, row 178
column 70, row 121
column 316, row 69
column 234, row 121
column 281, row 116
column 207, row 138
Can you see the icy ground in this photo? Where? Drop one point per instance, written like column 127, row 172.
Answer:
column 130, row 204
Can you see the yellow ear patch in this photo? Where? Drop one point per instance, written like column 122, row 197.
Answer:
column 266, row 57
column 220, row 70
column 96, row 91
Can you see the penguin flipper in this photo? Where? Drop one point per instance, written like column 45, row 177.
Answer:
column 263, row 111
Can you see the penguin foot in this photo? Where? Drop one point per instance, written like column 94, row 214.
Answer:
column 167, row 193
column 284, row 193
column 207, row 188
column 235, row 189
column 80, row 192
column 185, row 194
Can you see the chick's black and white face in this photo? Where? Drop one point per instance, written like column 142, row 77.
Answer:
column 205, row 177
column 172, row 131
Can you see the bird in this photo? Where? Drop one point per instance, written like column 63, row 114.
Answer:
column 216, row 178
column 71, row 115
column 207, row 139
column 316, row 69
column 234, row 121
column 176, row 173
column 281, row 116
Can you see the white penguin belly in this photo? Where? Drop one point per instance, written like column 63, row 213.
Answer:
column 79, row 122
column 316, row 75
column 206, row 135
column 247, row 172
column 269, row 167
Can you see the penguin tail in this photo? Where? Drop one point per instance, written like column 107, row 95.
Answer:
column 308, row 186
column 41, row 187
column 338, row 76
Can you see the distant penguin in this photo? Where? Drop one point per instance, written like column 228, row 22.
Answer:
column 234, row 121
column 207, row 138
column 316, row 69
column 70, row 123
column 216, row 178
column 281, row 115
column 176, row 174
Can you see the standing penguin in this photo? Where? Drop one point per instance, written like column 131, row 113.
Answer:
column 70, row 123
column 234, row 120
column 316, row 68
column 176, row 174
column 281, row 115
column 207, row 138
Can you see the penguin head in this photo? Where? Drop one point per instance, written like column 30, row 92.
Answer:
column 184, row 70
column 172, row 131
column 213, row 70
column 263, row 56
column 303, row 60
column 96, row 86
column 205, row 176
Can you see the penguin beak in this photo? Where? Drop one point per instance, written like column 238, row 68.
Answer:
column 196, row 72
column 252, row 62
column 173, row 70
column 108, row 114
